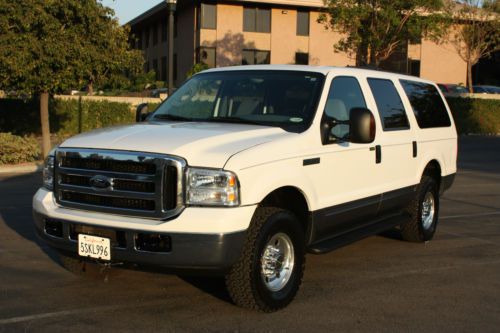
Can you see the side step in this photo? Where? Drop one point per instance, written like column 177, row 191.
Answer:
column 339, row 241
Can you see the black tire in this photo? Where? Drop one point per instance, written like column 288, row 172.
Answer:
column 416, row 230
column 244, row 281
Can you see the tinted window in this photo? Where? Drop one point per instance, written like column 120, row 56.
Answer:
column 302, row 23
column 256, row 20
column 345, row 94
column 208, row 16
column 427, row 104
column 390, row 107
column 271, row 98
column 255, row 57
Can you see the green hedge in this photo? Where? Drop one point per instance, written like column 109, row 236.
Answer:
column 474, row 115
column 22, row 117
column 480, row 116
column 16, row 149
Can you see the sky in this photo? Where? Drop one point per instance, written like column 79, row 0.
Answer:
column 126, row 10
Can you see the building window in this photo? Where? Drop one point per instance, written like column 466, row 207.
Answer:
column 155, row 34
column 164, row 31
column 301, row 58
column 256, row 57
column 256, row 20
column 207, row 55
column 414, row 67
column 163, row 74
column 208, row 16
column 139, row 40
column 302, row 23
column 146, row 38
column 155, row 68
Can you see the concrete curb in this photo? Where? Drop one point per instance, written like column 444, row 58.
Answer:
column 25, row 168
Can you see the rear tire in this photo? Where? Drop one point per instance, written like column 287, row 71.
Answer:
column 424, row 212
column 269, row 271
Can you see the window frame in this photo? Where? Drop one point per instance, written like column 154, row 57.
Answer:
column 298, row 32
column 381, row 117
column 255, row 56
column 438, row 92
column 256, row 19
column 202, row 23
column 324, row 116
column 297, row 54
column 198, row 55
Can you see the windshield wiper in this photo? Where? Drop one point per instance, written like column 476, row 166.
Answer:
column 171, row 117
column 236, row 120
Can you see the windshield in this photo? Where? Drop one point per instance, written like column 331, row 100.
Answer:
column 284, row 99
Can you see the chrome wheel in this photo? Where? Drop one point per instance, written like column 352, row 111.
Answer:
column 428, row 208
column 277, row 262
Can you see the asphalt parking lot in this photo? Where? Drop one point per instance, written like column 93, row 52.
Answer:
column 379, row 284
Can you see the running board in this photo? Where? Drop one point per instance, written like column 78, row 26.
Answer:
column 336, row 242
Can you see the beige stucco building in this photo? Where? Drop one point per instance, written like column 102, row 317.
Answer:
column 225, row 33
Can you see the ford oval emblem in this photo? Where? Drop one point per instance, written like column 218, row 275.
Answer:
column 100, row 183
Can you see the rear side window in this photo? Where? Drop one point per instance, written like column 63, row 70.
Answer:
column 427, row 104
column 389, row 104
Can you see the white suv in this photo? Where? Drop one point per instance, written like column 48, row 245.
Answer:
column 243, row 170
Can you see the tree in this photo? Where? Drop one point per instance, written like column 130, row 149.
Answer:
column 47, row 46
column 478, row 32
column 373, row 29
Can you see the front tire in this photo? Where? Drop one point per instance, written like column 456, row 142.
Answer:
column 269, row 271
column 424, row 211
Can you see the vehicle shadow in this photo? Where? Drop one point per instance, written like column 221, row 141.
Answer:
column 16, row 194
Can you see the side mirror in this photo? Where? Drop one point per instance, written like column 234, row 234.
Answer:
column 141, row 112
column 362, row 126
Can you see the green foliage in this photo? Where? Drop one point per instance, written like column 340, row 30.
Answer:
column 21, row 118
column 374, row 29
column 143, row 81
column 474, row 115
column 17, row 149
column 50, row 46
column 478, row 32
column 201, row 66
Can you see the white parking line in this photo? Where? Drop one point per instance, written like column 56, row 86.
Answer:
column 21, row 319
column 468, row 215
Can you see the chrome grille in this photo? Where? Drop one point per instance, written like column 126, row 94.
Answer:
column 118, row 182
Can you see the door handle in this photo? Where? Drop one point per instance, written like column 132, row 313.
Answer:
column 378, row 153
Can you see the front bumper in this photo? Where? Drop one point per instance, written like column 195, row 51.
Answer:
column 215, row 245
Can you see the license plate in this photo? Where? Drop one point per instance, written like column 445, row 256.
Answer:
column 94, row 247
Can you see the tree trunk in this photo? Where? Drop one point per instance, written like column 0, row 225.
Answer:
column 90, row 89
column 469, row 77
column 44, row 120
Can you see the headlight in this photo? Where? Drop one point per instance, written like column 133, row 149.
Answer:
column 207, row 187
column 48, row 173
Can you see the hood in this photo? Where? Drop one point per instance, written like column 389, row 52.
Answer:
column 201, row 144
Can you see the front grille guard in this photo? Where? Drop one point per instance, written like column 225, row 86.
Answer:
column 162, row 210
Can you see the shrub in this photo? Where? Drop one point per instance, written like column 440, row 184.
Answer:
column 17, row 149
column 474, row 115
column 22, row 117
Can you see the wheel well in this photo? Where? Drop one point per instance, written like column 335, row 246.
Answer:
column 433, row 169
column 291, row 199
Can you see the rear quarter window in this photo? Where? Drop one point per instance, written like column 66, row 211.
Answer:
column 427, row 104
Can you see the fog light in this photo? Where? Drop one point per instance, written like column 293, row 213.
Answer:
column 153, row 243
